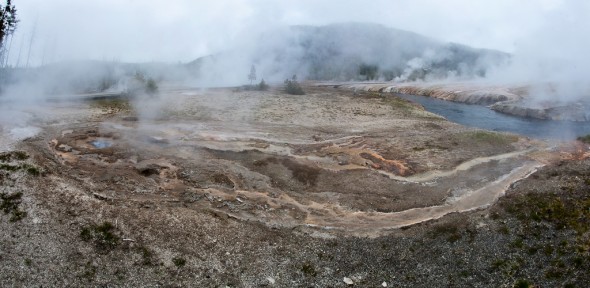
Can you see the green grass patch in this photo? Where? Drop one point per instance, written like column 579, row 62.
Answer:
column 9, row 203
column 585, row 139
column 308, row 269
column 499, row 263
column 402, row 104
column 532, row 250
column 488, row 137
column 7, row 157
column 147, row 256
column 503, row 229
column 518, row 243
column 509, row 267
column 522, row 283
column 450, row 231
column 13, row 155
column 103, row 236
column 30, row 169
column 563, row 212
column 554, row 273
column 179, row 261
column 9, row 168
column 120, row 104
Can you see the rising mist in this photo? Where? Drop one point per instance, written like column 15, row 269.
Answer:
column 44, row 64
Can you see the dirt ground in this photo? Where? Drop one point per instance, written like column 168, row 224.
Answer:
column 226, row 187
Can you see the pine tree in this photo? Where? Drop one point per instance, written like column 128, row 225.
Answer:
column 8, row 21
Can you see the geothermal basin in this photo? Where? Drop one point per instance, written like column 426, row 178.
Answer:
column 331, row 160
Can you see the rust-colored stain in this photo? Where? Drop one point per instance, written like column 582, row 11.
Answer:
column 569, row 151
column 367, row 157
column 575, row 151
column 378, row 162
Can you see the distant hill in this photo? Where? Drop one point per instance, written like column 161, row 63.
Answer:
column 340, row 52
column 350, row 51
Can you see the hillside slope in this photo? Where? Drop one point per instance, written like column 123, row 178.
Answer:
column 349, row 51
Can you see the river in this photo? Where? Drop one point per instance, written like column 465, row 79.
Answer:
column 485, row 118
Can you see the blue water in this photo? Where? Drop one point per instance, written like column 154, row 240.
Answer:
column 101, row 144
column 485, row 118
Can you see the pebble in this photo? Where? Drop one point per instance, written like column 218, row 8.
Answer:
column 270, row 280
column 384, row 284
column 348, row 281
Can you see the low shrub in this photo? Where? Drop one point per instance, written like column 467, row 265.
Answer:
column 9, row 203
column 292, row 86
column 103, row 236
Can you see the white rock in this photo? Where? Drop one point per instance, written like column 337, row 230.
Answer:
column 270, row 280
column 348, row 281
column 384, row 284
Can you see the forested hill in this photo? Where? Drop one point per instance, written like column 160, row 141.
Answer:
column 350, row 51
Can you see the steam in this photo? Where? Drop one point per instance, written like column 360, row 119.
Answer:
column 346, row 52
column 32, row 97
column 554, row 59
column 217, row 48
column 20, row 109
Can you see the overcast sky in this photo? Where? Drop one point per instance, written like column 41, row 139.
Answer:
column 182, row 30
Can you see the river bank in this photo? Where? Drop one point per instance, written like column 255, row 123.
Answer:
column 517, row 100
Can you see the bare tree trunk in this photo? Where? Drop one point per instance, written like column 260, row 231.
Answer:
column 20, row 50
column 31, row 43
column 5, row 64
